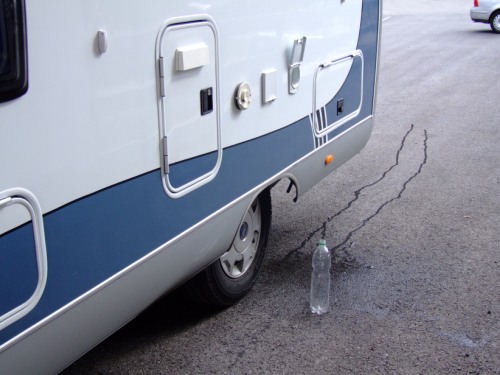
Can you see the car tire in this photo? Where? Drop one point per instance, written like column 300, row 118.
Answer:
column 231, row 277
column 495, row 22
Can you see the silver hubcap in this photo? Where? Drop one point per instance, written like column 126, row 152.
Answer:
column 238, row 259
column 496, row 22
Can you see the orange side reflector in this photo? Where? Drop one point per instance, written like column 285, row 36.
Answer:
column 328, row 159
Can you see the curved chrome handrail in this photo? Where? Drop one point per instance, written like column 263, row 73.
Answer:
column 29, row 201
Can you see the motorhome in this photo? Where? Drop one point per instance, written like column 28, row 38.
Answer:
column 139, row 142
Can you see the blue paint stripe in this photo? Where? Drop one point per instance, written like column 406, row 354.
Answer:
column 92, row 239
column 18, row 269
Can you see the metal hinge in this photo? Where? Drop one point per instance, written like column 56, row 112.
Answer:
column 164, row 149
column 162, row 77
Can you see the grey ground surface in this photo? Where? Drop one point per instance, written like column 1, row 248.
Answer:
column 416, row 277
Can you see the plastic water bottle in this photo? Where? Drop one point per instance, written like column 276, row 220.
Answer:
column 320, row 279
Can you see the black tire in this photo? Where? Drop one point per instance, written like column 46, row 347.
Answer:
column 495, row 22
column 214, row 285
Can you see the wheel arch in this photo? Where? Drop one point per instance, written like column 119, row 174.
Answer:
column 494, row 13
column 495, row 25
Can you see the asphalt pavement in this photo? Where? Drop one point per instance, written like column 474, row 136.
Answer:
column 413, row 222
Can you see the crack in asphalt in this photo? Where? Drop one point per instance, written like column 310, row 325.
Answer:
column 381, row 207
column 342, row 245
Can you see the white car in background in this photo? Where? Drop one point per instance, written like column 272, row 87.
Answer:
column 487, row 11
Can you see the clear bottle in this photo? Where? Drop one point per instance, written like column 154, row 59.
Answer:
column 320, row 279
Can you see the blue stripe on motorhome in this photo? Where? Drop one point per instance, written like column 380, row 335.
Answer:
column 95, row 237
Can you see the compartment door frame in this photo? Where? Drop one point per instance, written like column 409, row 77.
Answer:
column 173, row 24
column 321, row 130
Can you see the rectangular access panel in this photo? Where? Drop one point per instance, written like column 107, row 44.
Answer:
column 189, row 110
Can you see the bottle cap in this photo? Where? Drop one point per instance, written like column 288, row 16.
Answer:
column 322, row 242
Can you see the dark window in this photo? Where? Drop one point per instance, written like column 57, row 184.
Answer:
column 13, row 54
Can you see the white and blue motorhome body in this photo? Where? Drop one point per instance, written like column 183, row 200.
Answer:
column 135, row 136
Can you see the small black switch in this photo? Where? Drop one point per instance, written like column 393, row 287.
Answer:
column 340, row 106
column 206, row 101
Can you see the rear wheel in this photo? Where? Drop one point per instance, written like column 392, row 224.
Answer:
column 232, row 276
column 495, row 22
